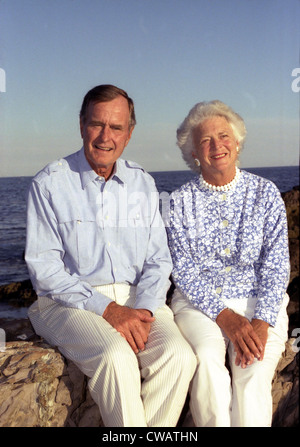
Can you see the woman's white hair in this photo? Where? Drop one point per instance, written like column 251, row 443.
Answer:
column 198, row 114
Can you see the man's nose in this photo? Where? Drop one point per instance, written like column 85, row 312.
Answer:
column 105, row 133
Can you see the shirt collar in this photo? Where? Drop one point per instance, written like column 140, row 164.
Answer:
column 87, row 174
column 120, row 173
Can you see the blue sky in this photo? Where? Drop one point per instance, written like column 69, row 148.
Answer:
column 167, row 54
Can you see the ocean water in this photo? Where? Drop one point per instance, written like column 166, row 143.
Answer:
column 13, row 193
column 284, row 177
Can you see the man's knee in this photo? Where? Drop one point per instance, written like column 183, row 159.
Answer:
column 181, row 354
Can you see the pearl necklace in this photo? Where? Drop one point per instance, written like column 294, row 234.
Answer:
column 226, row 187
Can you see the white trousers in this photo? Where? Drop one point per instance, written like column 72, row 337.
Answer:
column 218, row 398
column 166, row 366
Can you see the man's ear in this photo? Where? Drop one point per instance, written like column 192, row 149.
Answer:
column 81, row 124
column 129, row 135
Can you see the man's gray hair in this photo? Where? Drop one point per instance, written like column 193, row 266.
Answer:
column 199, row 113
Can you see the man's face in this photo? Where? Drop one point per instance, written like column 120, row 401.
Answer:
column 105, row 132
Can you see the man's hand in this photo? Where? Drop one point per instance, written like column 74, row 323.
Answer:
column 133, row 324
column 244, row 336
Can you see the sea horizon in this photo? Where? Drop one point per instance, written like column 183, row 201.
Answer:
column 174, row 170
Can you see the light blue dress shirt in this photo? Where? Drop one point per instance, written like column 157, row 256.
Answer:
column 83, row 231
column 231, row 244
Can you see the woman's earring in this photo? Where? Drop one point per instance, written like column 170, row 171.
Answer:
column 197, row 162
column 237, row 149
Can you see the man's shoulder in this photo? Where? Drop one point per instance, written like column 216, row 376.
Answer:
column 135, row 170
column 55, row 168
column 129, row 164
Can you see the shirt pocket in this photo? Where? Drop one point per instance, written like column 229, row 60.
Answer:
column 82, row 240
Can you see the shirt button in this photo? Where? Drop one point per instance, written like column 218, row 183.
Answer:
column 224, row 197
column 218, row 290
column 227, row 269
column 227, row 251
column 225, row 223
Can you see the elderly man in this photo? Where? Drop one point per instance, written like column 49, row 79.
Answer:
column 98, row 259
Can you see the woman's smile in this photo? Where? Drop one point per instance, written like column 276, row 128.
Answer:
column 216, row 149
column 216, row 157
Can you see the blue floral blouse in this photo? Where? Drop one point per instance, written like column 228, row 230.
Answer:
column 230, row 244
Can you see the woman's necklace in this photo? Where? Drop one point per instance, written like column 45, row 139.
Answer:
column 226, row 187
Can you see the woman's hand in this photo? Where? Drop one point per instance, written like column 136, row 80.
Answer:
column 248, row 339
column 261, row 328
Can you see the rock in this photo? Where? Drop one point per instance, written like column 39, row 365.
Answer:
column 40, row 388
column 285, row 388
column 20, row 294
column 18, row 329
column 293, row 306
column 291, row 200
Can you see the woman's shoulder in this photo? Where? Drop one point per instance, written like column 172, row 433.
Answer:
column 260, row 185
column 187, row 187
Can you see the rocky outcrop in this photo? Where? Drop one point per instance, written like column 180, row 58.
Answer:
column 291, row 200
column 40, row 388
column 285, row 387
column 19, row 294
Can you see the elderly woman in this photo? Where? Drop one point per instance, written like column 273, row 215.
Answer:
column 228, row 238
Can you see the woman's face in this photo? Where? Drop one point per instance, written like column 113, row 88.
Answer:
column 216, row 149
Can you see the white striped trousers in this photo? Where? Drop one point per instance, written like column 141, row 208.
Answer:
column 166, row 366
